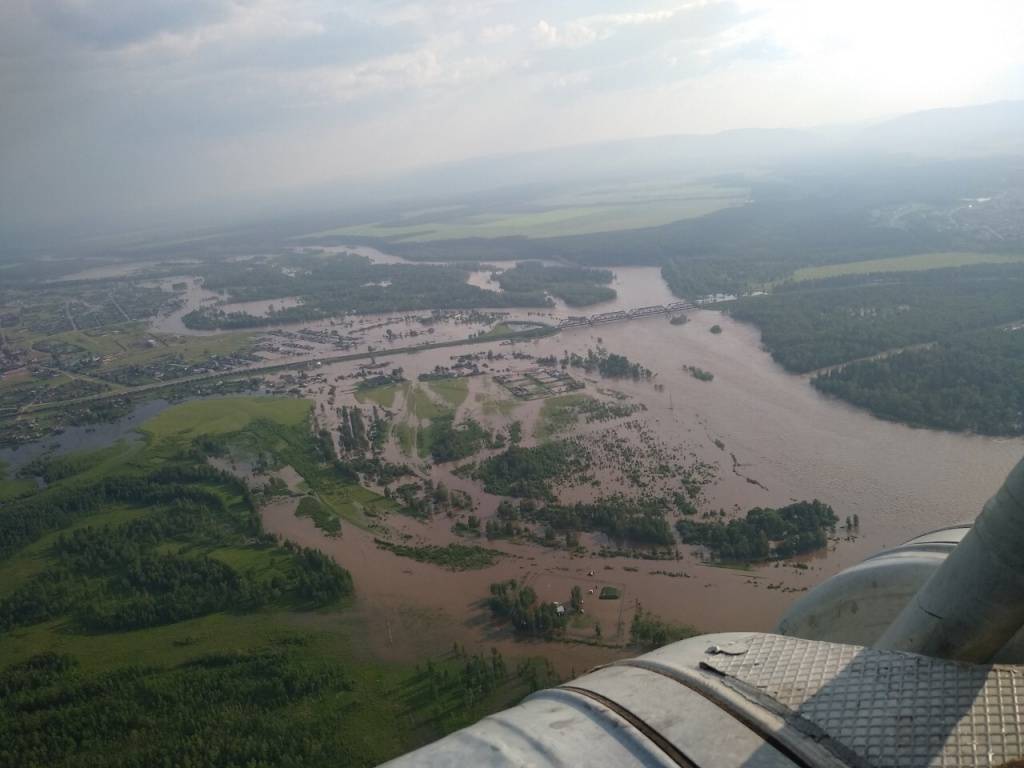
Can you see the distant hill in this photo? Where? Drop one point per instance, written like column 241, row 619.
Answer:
column 973, row 131
column 985, row 129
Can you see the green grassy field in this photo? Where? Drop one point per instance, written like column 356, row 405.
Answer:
column 13, row 487
column 452, row 391
column 218, row 416
column 558, row 414
column 406, row 435
column 383, row 396
column 914, row 263
column 501, row 405
column 506, row 329
column 420, row 404
column 575, row 214
column 356, row 504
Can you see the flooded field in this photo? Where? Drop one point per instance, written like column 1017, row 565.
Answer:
column 194, row 296
column 770, row 437
column 261, row 308
column 766, row 437
column 87, row 438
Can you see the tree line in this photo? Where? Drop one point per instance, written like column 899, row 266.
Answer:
column 115, row 577
column 529, row 472
column 763, row 533
column 342, row 284
column 969, row 383
column 824, row 323
column 219, row 710
column 576, row 286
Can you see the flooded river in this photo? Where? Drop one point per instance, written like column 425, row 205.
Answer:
column 783, row 441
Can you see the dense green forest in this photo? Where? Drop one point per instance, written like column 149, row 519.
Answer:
column 952, row 359
column 577, row 286
column 763, row 533
column 341, row 284
column 293, row 703
column 972, row 382
column 447, row 441
column 624, row 520
column 147, row 619
column 530, row 472
column 817, row 324
column 608, row 364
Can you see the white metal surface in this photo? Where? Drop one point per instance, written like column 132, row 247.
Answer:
column 744, row 700
column 891, row 708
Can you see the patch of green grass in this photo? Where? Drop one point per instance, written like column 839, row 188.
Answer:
column 383, row 396
column 501, row 405
column 913, row 263
column 356, row 504
column 260, row 563
column 325, row 517
column 452, row 391
column 88, row 465
column 558, row 414
column 424, row 441
column 562, row 412
column 420, row 404
column 406, row 435
column 454, row 557
column 221, row 416
column 16, row 488
column 584, row 213
column 500, row 330
column 13, row 487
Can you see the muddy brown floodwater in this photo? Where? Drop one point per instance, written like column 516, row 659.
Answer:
column 783, row 441
column 769, row 435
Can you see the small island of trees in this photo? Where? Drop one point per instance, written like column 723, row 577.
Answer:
column 764, row 533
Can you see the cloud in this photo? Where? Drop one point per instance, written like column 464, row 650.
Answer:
column 116, row 23
column 570, row 35
column 115, row 105
column 498, row 33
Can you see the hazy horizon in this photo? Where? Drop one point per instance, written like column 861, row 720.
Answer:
column 116, row 109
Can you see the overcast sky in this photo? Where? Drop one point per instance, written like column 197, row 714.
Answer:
column 130, row 105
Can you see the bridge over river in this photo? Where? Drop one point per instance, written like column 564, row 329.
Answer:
column 627, row 314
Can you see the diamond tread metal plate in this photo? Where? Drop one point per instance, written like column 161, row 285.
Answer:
column 891, row 708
